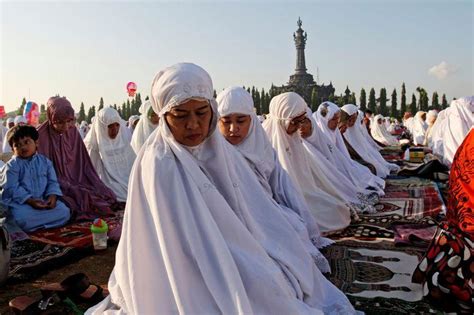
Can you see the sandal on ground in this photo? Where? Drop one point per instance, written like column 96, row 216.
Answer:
column 77, row 287
column 25, row 305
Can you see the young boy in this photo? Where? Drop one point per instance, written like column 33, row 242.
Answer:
column 28, row 184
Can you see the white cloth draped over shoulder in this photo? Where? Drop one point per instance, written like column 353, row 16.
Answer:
column 331, row 144
column 458, row 123
column 215, row 244
column 322, row 198
column 360, row 140
column 112, row 158
column 419, row 128
column 408, row 123
column 437, row 130
column 259, row 153
column 144, row 127
column 431, row 117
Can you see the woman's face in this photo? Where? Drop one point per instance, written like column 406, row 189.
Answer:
column 61, row 126
column 352, row 120
column 154, row 118
column 235, row 127
column 306, row 128
column 332, row 123
column 189, row 122
column 113, row 130
column 295, row 123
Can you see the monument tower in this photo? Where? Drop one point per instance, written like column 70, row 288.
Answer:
column 301, row 81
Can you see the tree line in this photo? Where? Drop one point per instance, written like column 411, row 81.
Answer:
column 380, row 104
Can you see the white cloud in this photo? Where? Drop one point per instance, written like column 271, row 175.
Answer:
column 443, row 70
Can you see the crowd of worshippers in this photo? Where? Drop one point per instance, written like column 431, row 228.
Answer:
column 228, row 209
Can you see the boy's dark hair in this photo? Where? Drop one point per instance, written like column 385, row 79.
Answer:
column 368, row 111
column 18, row 132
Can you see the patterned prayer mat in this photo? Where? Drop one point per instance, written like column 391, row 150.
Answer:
column 29, row 258
column 55, row 247
column 76, row 234
column 374, row 258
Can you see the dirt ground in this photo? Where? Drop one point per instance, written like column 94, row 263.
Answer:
column 97, row 267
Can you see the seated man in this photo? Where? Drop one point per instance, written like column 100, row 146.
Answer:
column 29, row 187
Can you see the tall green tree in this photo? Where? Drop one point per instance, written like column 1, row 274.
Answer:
column 413, row 108
column 423, row 99
column 22, row 107
column 314, row 99
column 82, row 113
column 353, row 99
column 90, row 114
column 383, row 102
column 393, row 104
column 444, row 102
column 256, row 101
column 101, row 103
column 363, row 100
column 372, row 101
column 435, row 101
column 403, row 101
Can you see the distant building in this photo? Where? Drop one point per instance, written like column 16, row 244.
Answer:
column 302, row 82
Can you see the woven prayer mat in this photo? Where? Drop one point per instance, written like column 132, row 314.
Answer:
column 374, row 273
column 76, row 234
column 368, row 265
column 30, row 258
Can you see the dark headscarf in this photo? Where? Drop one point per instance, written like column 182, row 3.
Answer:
column 84, row 192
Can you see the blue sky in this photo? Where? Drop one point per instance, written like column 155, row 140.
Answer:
column 86, row 50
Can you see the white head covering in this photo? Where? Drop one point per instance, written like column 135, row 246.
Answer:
column 408, row 123
column 323, row 199
column 419, row 128
column 360, row 140
column 259, row 153
column 331, row 144
column 143, row 129
column 431, row 117
column 458, row 123
column 204, row 219
column 20, row 119
column 381, row 134
column 131, row 120
column 10, row 120
column 256, row 147
column 112, row 158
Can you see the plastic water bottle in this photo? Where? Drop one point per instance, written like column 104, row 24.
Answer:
column 99, row 231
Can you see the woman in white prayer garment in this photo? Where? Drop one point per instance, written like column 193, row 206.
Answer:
column 360, row 140
column 146, row 125
column 419, row 128
column 287, row 113
column 240, row 126
column 361, row 199
column 378, row 131
column 132, row 122
column 431, row 117
column 203, row 237
column 458, row 122
column 328, row 139
column 108, row 145
column 436, row 141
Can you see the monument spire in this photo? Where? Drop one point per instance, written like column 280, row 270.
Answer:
column 300, row 42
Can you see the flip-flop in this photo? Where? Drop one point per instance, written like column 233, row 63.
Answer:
column 26, row 305
column 77, row 287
